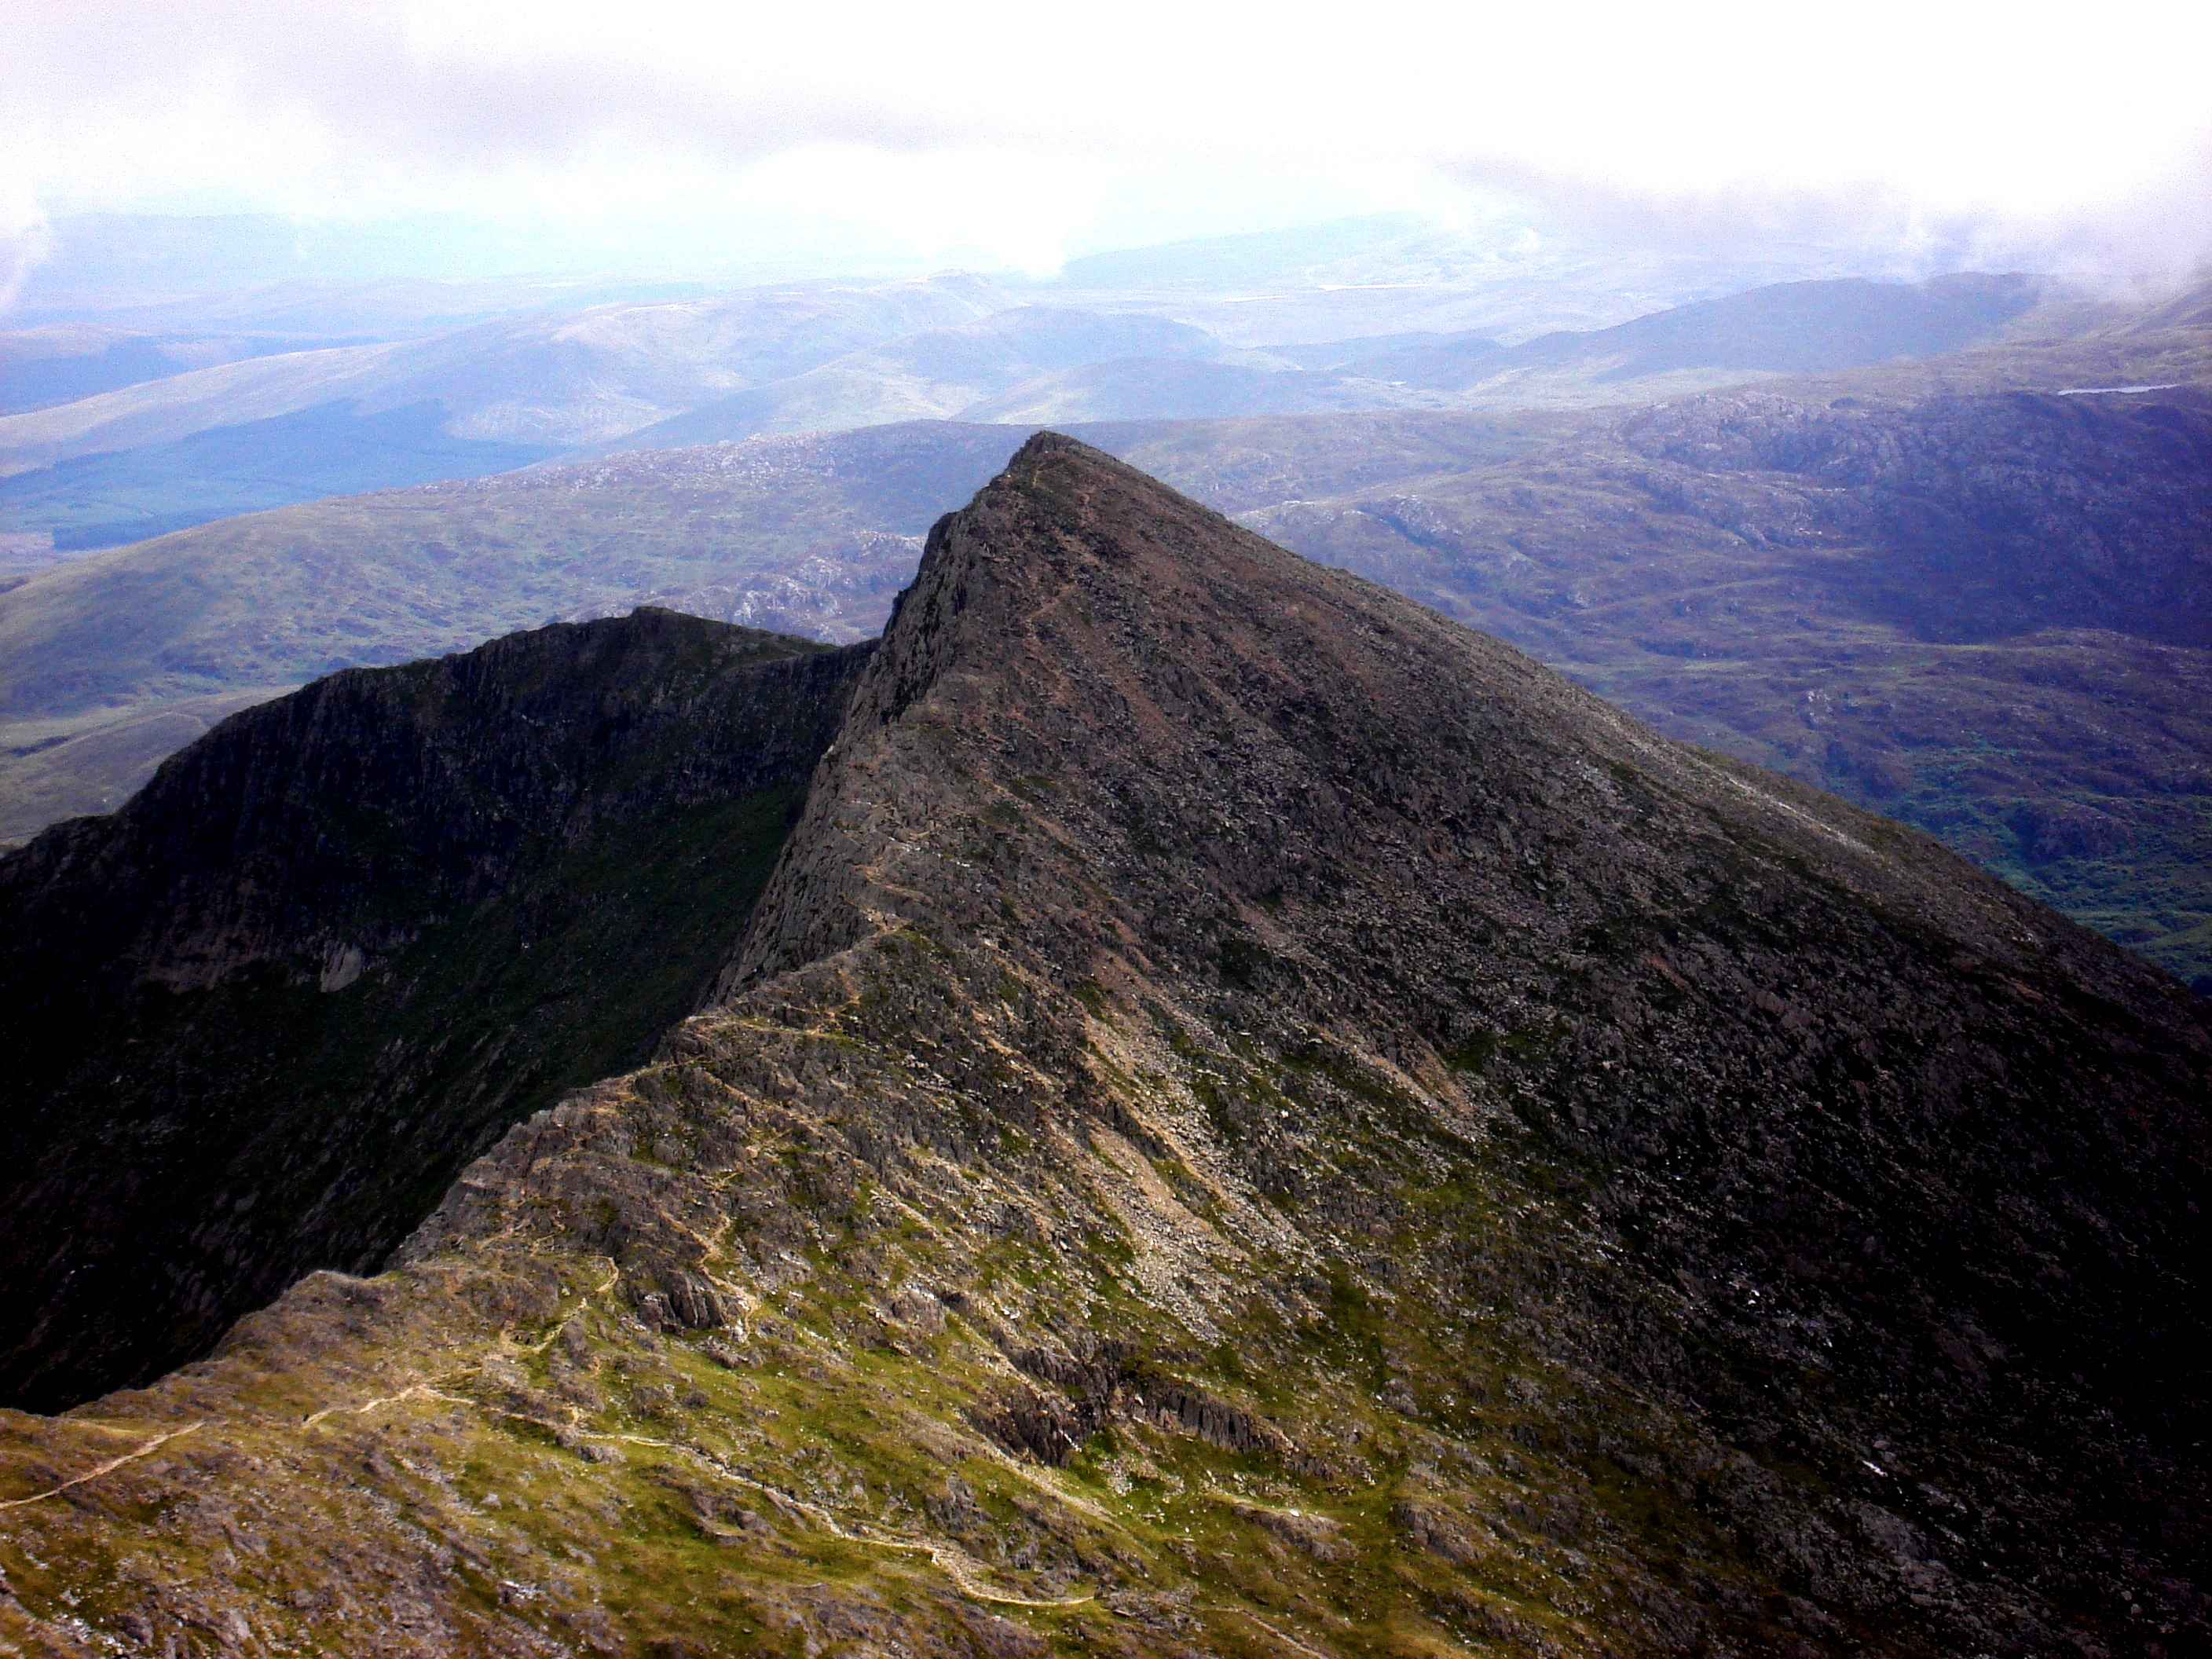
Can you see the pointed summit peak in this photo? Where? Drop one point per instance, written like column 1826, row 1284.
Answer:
column 1216, row 1020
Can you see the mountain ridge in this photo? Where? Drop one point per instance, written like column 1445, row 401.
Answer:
column 1893, row 596
column 1250, row 1114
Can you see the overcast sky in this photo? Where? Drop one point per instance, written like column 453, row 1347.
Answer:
column 1018, row 133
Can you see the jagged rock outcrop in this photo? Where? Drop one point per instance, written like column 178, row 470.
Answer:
column 258, row 1018
column 1250, row 1117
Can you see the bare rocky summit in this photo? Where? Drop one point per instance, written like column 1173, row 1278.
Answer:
column 1249, row 1119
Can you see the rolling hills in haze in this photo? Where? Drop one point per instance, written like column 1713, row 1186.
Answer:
column 1942, row 597
column 105, row 500
column 1247, row 1116
column 575, row 378
column 41, row 368
column 938, row 373
column 161, row 452
column 542, row 382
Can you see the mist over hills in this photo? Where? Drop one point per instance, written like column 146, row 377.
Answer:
column 1787, row 328
column 1507, row 274
column 567, row 379
column 939, row 373
column 152, row 452
column 300, row 278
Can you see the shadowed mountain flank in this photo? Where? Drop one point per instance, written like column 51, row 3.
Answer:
column 1251, row 1118
column 1980, row 614
column 258, row 1018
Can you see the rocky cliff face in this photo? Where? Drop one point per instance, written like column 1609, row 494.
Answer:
column 260, row 1017
column 1249, row 1118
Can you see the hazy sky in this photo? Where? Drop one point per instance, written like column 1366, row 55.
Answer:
column 1017, row 133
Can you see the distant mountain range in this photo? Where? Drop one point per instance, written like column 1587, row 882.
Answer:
column 559, row 381
column 45, row 368
column 144, row 451
column 1789, row 328
column 1901, row 582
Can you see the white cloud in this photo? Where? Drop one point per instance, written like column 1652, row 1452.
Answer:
column 1008, row 129
column 23, row 240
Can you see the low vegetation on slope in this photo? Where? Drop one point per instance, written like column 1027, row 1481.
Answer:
column 1248, row 1118
column 257, row 1020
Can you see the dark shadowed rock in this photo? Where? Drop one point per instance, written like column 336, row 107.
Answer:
column 258, row 1018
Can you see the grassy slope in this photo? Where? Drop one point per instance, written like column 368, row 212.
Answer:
column 814, row 1472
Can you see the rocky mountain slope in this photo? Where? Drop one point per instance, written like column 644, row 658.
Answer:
column 1978, row 613
column 1249, row 1119
column 258, row 1019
